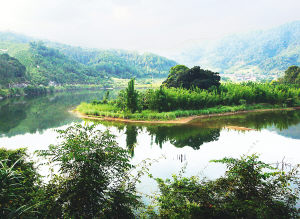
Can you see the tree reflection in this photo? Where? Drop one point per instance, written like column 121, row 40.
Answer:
column 279, row 121
column 131, row 137
column 36, row 114
column 11, row 114
column 184, row 135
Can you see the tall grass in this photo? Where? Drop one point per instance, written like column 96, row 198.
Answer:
column 171, row 103
column 92, row 110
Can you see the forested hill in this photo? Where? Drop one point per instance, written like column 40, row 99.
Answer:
column 120, row 63
column 54, row 62
column 11, row 70
column 260, row 54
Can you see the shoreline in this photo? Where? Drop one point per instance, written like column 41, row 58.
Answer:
column 181, row 120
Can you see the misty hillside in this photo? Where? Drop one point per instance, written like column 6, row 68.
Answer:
column 258, row 55
column 54, row 62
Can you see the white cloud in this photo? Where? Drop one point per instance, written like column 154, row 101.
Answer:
column 141, row 24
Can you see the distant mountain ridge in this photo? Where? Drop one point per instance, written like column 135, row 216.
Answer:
column 260, row 54
column 50, row 62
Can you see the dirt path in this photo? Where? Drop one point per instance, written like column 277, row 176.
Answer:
column 183, row 120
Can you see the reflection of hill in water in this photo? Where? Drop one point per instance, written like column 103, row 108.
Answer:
column 286, row 123
column 29, row 115
column 292, row 132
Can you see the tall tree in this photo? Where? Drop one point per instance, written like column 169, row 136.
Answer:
column 132, row 97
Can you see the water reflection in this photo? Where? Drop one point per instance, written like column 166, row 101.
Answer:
column 11, row 114
column 178, row 135
column 184, row 135
column 207, row 130
column 30, row 115
column 285, row 123
column 131, row 137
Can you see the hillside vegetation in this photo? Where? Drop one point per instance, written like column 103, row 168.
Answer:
column 255, row 55
column 11, row 70
column 120, row 63
column 62, row 64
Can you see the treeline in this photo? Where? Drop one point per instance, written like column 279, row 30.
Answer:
column 34, row 90
column 29, row 90
column 170, row 99
column 171, row 103
column 99, row 181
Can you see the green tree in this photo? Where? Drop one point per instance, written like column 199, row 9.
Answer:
column 131, row 97
column 95, row 180
column 175, row 72
column 181, row 76
column 292, row 75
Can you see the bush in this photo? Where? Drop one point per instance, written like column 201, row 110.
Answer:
column 249, row 189
column 19, row 187
column 95, row 180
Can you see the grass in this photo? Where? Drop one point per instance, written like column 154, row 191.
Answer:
column 107, row 110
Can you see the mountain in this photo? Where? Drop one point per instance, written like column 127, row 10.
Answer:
column 50, row 62
column 255, row 55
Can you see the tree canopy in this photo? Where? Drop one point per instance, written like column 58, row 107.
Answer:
column 292, row 75
column 182, row 76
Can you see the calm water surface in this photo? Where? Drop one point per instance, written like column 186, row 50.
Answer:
column 275, row 136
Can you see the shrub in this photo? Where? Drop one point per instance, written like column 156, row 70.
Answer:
column 249, row 189
column 95, row 180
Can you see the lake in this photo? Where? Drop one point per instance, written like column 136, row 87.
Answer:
column 275, row 136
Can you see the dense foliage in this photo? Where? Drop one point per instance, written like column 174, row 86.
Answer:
column 50, row 65
column 131, row 97
column 291, row 75
column 249, row 189
column 97, row 180
column 228, row 97
column 182, row 76
column 119, row 63
column 124, row 64
column 227, row 94
column 19, row 184
column 11, row 70
column 93, row 179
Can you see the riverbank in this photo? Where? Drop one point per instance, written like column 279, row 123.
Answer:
column 179, row 120
column 40, row 90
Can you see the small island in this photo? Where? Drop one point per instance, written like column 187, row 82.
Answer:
column 190, row 93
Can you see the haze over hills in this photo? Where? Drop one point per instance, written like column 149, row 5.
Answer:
column 47, row 62
column 256, row 55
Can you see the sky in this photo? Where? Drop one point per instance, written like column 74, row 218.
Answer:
column 143, row 25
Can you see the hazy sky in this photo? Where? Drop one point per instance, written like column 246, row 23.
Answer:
column 146, row 25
